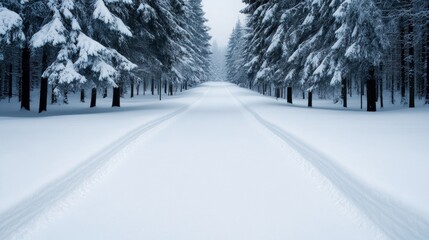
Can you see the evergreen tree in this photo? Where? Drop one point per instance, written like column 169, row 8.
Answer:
column 235, row 56
column 80, row 58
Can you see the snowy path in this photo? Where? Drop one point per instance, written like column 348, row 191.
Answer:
column 54, row 198
column 396, row 220
column 214, row 168
column 201, row 177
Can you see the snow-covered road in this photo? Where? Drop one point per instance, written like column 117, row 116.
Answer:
column 212, row 173
column 211, row 169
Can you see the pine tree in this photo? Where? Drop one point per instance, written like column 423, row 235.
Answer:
column 80, row 59
column 235, row 57
column 11, row 35
column 200, row 41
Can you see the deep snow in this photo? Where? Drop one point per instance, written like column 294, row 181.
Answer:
column 217, row 162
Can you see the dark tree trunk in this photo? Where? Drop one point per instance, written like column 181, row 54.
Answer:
column 393, row 91
column 170, row 88
column 411, row 71
column 289, row 95
column 43, row 103
column 25, row 81
column 427, row 63
column 381, row 93
column 371, row 87
column 362, row 89
column 2, row 79
column 310, row 99
column 43, row 95
column 344, row 91
column 132, row 88
column 53, row 95
column 116, row 100
column 152, row 86
column 105, row 93
column 403, row 61
column 66, row 97
column 165, row 87
column 350, row 82
column 186, row 85
column 160, row 89
column 93, row 97
column 10, row 85
column 144, row 86
column 82, row 95
column 138, row 89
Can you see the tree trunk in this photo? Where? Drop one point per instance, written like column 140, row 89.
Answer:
column 362, row 89
column 152, row 86
column 66, row 97
column 411, row 71
column 138, row 89
column 93, row 97
column 350, row 82
column 381, row 92
column 371, row 87
column 403, row 62
column 310, row 99
column 82, row 95
column 132, row 88
column 160, row 89
column 25, row 81
column 116, row 100
column 43, row 95
column 344, row 91
column 10, row 85
column 2, row 79
column 53, row 95
column 43, row 103
column 144, row 87
column 105, row 93
column 165, row 87
column 289, row 95
column 427, row 63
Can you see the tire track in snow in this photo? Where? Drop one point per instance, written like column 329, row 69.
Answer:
column 393, row 218
column 52, row 199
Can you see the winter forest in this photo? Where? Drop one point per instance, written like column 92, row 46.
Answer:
column 334, row 48
column 214, row 119
column 59, row 47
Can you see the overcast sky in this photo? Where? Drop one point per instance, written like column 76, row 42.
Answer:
column 222, row 16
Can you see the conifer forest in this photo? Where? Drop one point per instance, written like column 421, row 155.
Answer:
column 214, row 119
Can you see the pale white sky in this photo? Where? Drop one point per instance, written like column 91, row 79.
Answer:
column 222, row 16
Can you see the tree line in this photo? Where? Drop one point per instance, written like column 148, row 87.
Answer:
column 334, row 48
column 90, row 46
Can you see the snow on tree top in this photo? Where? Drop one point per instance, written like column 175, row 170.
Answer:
column 10, row 26
column 102, row 13
column 52, row 33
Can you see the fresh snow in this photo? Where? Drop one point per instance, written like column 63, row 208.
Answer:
column 216, row 162
column 10, row 21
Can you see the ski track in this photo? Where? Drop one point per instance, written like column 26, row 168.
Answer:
column 395, row 219
column 43, row 205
